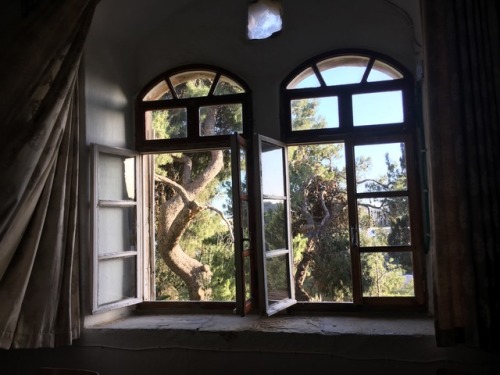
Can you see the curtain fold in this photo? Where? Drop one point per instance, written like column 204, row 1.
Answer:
column 462, row 68
column 39, row 270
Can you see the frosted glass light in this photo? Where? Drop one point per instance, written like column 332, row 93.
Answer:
column 264, row 19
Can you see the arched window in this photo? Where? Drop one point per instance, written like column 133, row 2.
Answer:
column 349, row 124
column 168, row 216
column 192, row 104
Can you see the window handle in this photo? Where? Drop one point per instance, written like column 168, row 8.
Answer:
column 354, row 236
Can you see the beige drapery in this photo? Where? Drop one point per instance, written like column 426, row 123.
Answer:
column 39, row 114
column 462, row 68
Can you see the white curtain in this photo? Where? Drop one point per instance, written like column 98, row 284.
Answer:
column 39, row 111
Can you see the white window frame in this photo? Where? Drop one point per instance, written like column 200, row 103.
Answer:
column 96, row 205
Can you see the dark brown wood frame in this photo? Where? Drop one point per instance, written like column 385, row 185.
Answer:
column 195, row 142
column 358, row 135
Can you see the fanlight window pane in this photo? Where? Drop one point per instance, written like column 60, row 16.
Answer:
column 160, row 92
column 275, row 225
column 387, row 274
column 380, row 167
column 343, row 70
column 116, row 177
column 315, row 113
column 117, row 280
column 166, row 123
column 221, row 119
column 384, row 222
column 383, row 72
column 114, row 234
column 264, row 19
column 378, row 108
column 277, row 278
column 226, row 86
column 306, row 79
column 192, row 84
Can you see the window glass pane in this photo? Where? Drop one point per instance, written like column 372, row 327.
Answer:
column 166, row 123
column 160, row 92
column 277, row 279
column 343, row 70
column 117, row 229
column 264, row 19
column 272, row 170
column 384, row 221
column 117, row 280
column 380, row 167
column 378, row 108
column 221, row 119
column 275, row 225
column 245, row 220
column 243, row 171
column 387, row 274
column 192, row 84
column 247, row 276
column 226, row 86
column 383, row 72
column 315, row 113
column 306, row 79
column 193, row 211
column 116, row 177
column 320, row 222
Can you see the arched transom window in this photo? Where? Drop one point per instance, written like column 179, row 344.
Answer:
column 191, row 103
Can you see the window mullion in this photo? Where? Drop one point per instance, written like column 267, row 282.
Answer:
column 353, row 221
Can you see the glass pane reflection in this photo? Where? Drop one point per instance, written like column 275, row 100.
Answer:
column 116, row 177
column 272, row 164
column 275, row 230
column 247, row 276
column 277, row 278
column 117, row 280
column 243, row 171
column 116, row 231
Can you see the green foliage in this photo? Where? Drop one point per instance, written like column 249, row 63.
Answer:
column 305, row 115
column 318, row 170
column 207, row 238
column 383, row 276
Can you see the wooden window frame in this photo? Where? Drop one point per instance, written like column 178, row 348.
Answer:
column 352, row 135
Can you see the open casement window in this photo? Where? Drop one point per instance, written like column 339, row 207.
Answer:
column 117, row 238
column 273, row 222
column 348, row 121
column 244, row 227
column 198, row 210
column 121, row 268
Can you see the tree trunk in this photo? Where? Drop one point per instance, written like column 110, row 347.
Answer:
column 175, row 215
column 301, row 273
